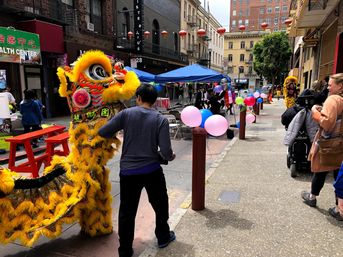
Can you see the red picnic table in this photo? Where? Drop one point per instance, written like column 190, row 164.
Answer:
column 34, row 162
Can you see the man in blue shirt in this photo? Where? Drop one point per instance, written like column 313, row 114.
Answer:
column 146, row 144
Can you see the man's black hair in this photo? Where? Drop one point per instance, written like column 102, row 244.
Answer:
column 327, row 78
column 147, row 92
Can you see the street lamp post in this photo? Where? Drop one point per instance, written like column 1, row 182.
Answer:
column 209, row 57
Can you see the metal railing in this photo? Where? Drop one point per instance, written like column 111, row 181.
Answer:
column 160, row 51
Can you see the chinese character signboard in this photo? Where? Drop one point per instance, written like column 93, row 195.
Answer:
column 18, row 46
column 138, row 25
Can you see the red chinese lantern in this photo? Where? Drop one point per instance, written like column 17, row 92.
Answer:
column 201, row 32
column 182, row 33
column 264, row 25
column 221, row 30
column 164, row 33
column 288, row 21
column 146, row 34
column 130, row 34
column 241, row 28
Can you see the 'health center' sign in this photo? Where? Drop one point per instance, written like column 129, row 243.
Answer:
column 18, row 46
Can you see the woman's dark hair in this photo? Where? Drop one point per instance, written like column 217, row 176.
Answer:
column 29, row 94
column 147, row 93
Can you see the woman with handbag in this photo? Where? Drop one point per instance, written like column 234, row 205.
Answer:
column 326, row 153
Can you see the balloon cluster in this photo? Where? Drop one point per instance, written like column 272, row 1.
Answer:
column 250, row 101
column 215, row 125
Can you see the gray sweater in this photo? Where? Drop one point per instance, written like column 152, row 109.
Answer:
column 146, row 133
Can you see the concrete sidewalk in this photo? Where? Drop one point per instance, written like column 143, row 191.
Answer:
column 253, row 207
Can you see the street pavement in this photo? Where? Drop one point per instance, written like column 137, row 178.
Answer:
column 252, row 205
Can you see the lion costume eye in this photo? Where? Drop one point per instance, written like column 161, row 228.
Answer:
column 96, row 72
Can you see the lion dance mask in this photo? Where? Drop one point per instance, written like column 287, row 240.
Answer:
column 74, row 188
column 290, row 90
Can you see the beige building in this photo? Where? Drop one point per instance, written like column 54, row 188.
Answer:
column 207, row 49
column 317, row 32
column 238, row 58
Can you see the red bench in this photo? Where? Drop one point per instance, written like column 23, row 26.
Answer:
column 51, row 142
column 34, row 162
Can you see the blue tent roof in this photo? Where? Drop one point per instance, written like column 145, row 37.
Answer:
column 191, row 73
column 142, row 75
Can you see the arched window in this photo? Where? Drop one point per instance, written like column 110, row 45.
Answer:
column 126, row 22
column 155, row 37
column 176, row 43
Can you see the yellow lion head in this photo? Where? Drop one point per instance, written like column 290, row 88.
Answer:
column 93, row 85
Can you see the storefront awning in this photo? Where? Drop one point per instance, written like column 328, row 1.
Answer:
column 51, row 35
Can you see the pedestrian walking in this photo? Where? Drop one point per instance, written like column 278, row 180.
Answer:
column 6, row 99
column 145, row 130
column 329, row 118
column 31, row 114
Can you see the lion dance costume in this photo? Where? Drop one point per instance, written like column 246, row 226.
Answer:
column 290, row 90
column 74, row 188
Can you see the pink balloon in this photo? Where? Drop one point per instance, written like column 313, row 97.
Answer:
column 191, row 116
column 216, row 125
column 263, row 95
column 250, row 118
column 256, row 94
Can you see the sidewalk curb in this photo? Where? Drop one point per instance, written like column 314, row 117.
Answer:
column 175, row 218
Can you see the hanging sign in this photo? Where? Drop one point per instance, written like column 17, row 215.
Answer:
column 18, row 46
column 138, row 25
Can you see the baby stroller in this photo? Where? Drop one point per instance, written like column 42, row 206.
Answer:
column 299, row 148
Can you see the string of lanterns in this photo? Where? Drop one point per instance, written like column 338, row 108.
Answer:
column 202, row 32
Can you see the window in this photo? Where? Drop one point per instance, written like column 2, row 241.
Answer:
column 251, row 44
column 277, row 9
column 240, row 22
column 68, row 2
column 241, row 57
column 270, row 1
column 262, row 10
column 240, row 13
column 246, row 22
column 251, row 57
column 229, row 57
column 229, row 70
column 234, row 23
column 126, row 22
column 268, row 20
column 185, row 11
column 230, row 45
column 269, row 10
column 250, row 69
column 248, row 12
column 276, row 20
column 94, row 14
column 284, row 8
column 283, row 18
column 242, row 44
column 234, row 13
column 241, row 69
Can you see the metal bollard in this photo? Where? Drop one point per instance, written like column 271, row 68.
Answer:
column 198, row 168
column 242, row 115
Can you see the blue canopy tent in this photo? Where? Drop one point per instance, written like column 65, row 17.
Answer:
column 191, row 73
column 142, row 75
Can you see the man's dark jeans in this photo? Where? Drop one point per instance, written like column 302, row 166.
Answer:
column 130, row 191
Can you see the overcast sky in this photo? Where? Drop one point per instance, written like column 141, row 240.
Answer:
column 220, row 9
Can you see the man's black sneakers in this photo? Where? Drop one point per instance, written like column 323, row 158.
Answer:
column 172, row 237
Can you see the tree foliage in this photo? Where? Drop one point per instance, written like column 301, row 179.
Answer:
column 271, row 56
